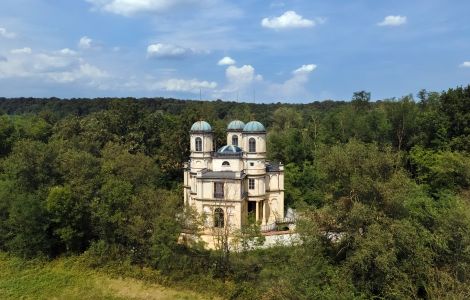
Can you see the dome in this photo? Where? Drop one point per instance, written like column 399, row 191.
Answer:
column 201, row 126
column 236, row 125
column 254, row 126
column 229, row 149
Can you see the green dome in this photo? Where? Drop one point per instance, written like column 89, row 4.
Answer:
column 201, row 126
column 254, row 126
column 236, row 125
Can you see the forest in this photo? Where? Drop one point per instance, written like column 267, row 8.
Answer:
column 101, row 179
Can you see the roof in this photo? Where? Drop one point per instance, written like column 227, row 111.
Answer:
column 229, row 149
column 272, row 168
column 201, row 126
column 254, row 126
column 236, row 126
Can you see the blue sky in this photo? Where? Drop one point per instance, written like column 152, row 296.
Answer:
column 289, row 51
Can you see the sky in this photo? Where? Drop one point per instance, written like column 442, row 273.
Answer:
column 294, row 51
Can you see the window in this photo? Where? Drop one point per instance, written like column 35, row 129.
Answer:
column 252, row 164
column 218, row 190
column 251, row 184
column 219, row 217
column 198, row 144
column 252, row 145
column 225, row 164
column 235, row 140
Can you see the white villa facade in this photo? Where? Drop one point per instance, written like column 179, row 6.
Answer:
column 235, row 184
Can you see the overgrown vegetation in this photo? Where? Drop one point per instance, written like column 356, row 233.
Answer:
column 383, row 189
column 70, row 278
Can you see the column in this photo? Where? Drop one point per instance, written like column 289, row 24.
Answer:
column 257, row 211
column 263, row 221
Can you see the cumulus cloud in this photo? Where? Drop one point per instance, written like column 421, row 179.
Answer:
column 52, row 67
column 393, row 21
column 465, row 64
column 305, row 69
column 183, row 85
column 242, row 76
column 85, row 42
column 132, row 7
column 25, row 50
column 290, row 19
column 6, row 34
column 294, row 86
column 240, row 80
column 83, row 71
column 226, row 61
column 161, row 50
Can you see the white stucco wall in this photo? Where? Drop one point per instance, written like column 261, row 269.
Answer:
column 236, row 164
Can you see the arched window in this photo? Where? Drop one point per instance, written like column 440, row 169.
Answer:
column 198, row 144
column 226, row 164
column 252, row 145
column 219, row 218
column 235, row 140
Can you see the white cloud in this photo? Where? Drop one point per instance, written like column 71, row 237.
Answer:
column 85, row 42
column 290, row 19
column 226, row 61
column 66, row 51
column 132, row 7
column 239, row 77
column 294, row 86
column 25, row 50
column 53, row 67
column 161, row 50
column 305, row 69
column 50, row 63
column 84, row 71
column 244, row 83
column 6, row 34
column 183, row 85
column 393, row 21
column 465, row 64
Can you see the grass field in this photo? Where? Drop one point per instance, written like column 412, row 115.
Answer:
column 66, row 278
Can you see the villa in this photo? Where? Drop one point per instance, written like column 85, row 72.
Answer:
column 235, row 184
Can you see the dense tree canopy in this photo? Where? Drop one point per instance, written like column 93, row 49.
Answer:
column 383, row 190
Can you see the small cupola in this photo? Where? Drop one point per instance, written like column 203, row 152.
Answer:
column 235, row 126
column 255, row 127
column 201, row 126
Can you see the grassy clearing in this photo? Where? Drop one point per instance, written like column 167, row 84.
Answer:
column 66, row 278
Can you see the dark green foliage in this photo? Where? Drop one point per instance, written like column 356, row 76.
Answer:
column 382, row 188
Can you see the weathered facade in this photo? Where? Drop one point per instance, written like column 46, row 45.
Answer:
column 235, row 184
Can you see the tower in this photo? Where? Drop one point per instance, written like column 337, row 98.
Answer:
column 254, row 146
column 234, row 133
column 202, row 146
column 254, row 142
